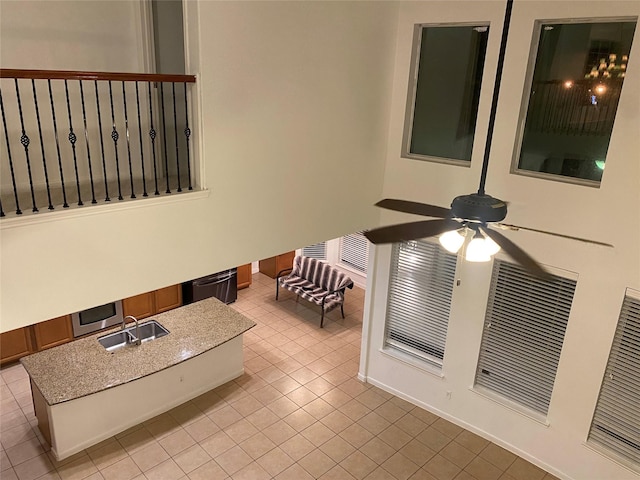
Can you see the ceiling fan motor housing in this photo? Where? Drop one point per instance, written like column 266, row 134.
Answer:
column 481, row 208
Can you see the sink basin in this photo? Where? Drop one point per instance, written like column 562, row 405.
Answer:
column 150, row 331
column 117, row 340
column 147, row 331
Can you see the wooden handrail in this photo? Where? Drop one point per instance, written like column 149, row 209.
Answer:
column 74, row 75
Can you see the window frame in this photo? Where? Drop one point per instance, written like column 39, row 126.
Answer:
column 407, row 133
column 524, row 103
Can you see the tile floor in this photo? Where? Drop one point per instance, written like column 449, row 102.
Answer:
column 297, row 413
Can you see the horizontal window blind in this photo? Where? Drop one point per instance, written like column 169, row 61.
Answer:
column 420, row 289
column 354, row 251
column 523, row 335
column 317, row 250
column 616, row 422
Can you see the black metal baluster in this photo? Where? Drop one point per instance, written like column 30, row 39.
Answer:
column 144, row 181
column 13, row 175
column 86, row 138
column 175, row 133
column 1, row 209
column 152, row 134
column 164, row 138
column 73, row 139
column 44, row 160
column 104, row 162
column 114, row 137
column 55, row 134
column 24, row 140
column 187, row 133
column 126, row 128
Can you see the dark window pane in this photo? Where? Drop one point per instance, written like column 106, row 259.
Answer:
column 576, row 86
column 446, row 93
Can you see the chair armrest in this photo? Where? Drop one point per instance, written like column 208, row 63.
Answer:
column 282, row 272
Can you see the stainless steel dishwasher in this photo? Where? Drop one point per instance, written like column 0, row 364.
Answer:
column 222, row 285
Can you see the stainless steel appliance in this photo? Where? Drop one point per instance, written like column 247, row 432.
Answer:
column 97, row 318
column 222, row 285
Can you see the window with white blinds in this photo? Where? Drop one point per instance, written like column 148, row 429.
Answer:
column 616, row 422
column 317, row 250
column 420, row 289
column 354, row 251
column 523, row 335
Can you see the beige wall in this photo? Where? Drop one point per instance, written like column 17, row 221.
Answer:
column 294, row 100
column 608, row 213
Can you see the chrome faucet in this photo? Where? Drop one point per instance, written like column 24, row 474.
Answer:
column 124, row 324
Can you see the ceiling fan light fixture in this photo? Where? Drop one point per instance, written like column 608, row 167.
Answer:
column 480, row 248
column 491, row 246
column 476, row 251
column 452, row 241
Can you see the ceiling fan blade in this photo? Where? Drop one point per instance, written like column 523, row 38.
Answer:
column 411, row 231
column 585, row 240
column 416, row 208
column 517, row 254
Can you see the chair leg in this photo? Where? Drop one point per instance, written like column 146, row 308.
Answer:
column 277, row 288
column 342, row 309
column 322, row 318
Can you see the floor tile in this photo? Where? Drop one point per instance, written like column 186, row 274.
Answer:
column 33, row 468
column 150, row 456
column 257, row 445
column 125, row 469
column 400, row 466
column 233, row 460
column 177, row 442
column 316, row 463
column 167, row 470
column 191, row 458
column 275, row 461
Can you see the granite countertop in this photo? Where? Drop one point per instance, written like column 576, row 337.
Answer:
column 83, row 367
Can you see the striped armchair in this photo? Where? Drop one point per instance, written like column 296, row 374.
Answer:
column 317, row 282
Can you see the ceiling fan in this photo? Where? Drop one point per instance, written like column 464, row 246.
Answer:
column 473, row 212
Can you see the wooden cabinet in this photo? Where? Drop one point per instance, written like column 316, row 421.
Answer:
column 15, row 344
column 140, row 306
column 168, row 298
column 244, row 276
column 53, row 332
column 271, row 266
column 147, row 304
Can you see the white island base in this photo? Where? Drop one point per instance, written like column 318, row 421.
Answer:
column 74, row 425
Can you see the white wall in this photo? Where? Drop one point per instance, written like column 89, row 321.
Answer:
column 608, row 213
column 294, row 102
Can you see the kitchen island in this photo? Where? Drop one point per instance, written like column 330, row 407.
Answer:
column 83, row 394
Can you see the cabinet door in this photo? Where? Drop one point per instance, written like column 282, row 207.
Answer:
column 285, row 260
column 53, row 332
column 244, row 276
column 168, row 298
column 273, row 265
column 140, row 306
column 15, row 344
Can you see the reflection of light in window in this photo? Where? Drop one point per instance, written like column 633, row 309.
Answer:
column 600, row 164
column 594, row 100
column 600, row 89
column 568, row 84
